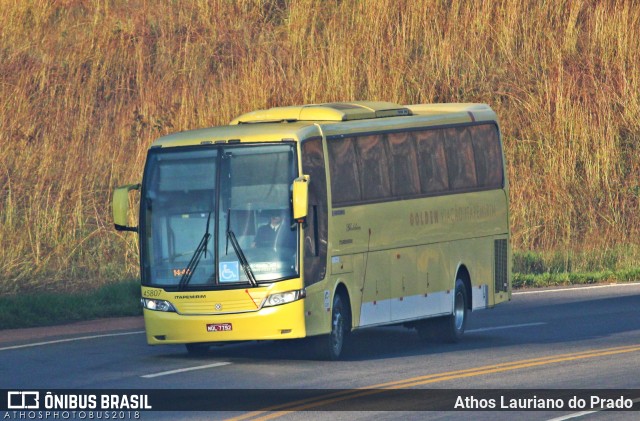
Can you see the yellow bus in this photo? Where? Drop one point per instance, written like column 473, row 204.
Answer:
column 317, row 220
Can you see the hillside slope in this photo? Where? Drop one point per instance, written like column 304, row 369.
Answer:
column 87, row 86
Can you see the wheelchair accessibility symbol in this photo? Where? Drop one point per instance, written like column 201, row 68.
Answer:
column 229, row 272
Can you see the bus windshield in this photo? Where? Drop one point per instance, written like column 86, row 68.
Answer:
column 218, row 216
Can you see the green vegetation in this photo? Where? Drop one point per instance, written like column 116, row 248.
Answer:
column 87, row 86
column 46, row 309
column 550, row 279
column 537, row 270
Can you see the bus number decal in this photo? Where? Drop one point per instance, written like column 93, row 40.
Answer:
column 181, row 272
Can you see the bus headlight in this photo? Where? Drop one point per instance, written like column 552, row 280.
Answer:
column 280, row 298
column 157, row 305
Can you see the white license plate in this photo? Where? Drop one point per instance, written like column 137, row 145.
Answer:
column 219, row 327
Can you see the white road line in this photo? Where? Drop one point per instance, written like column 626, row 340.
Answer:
column 182, row 370
column 576, row 288
column 583, row 413
column 574, row 415
column 81, row 338
column 486, row 329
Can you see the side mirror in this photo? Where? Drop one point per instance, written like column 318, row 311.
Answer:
column 121, row 207
column 300, row 197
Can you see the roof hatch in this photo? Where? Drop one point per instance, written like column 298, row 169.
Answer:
column 337, row 111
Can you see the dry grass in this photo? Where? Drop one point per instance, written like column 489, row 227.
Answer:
column 86, row 86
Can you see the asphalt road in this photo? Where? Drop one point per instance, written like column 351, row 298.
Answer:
column 568, row 339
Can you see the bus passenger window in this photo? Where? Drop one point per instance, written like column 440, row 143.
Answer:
column 460, row 159
column 374, row 173
column 345, row 178
column 488, row 156
column 432, row 161
column 404, row 174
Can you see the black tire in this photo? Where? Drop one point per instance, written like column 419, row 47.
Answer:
column 449, row 329
column 197, row 348
column 452, row 327
column 330, row 346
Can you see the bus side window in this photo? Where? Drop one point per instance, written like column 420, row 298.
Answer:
column 374, row 173
column 460, row 159
column 315, row 233
column 432, row 161
column 488, row 156
column 403, row 165
column 345, row 178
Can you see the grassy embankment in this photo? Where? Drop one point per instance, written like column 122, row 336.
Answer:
column 86, row 86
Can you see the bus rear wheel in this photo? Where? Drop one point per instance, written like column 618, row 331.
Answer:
column 450, row 328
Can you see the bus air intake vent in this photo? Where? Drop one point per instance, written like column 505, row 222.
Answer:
column 500, row 268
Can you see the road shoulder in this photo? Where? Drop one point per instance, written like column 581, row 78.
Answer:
column 90, row 326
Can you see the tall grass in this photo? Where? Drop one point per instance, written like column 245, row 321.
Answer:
column 86, row 86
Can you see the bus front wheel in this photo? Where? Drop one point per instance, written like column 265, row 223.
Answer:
column 330, row 346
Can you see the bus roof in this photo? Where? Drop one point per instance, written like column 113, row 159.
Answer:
column 300, row 122
column 337, row 111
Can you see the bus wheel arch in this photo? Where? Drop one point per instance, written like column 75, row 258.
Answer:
column 341, row 290
column 330, row 346
column 451, row 328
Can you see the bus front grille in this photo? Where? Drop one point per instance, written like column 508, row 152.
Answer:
column 221, row 307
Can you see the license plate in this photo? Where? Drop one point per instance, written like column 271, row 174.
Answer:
column 219, row 327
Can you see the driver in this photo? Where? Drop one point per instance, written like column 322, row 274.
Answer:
column 274, row 234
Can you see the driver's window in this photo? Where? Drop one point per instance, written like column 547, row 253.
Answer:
column 315, row 234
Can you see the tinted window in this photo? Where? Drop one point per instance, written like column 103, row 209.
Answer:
column 488, row 156
column 432, row 161
column 460, row 159
column 393, row 166
column 315, row 234
column 404, row 174
column 374, row 175
column 345, row 181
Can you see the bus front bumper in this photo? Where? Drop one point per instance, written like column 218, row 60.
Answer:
column 279, row 322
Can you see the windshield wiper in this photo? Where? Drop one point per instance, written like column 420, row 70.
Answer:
column 195, row 259
column 236, row 247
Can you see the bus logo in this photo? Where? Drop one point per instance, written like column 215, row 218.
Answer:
column 23, row 400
